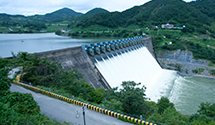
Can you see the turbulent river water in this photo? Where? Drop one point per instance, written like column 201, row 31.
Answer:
column 185, row 92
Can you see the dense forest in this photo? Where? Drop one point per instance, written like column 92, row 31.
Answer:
column 157, row 12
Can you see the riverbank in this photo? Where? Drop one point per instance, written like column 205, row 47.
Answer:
column 183, row 62
column 198, row 76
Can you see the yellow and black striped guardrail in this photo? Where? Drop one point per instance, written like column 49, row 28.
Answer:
column 95, row 108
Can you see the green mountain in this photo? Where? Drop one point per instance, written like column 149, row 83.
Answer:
column 95, row 11
column 76, row 19
column 205, row 6
column 155, row 12
column 56, row 15
column 8, row 18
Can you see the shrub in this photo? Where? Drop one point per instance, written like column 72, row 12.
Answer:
column 4, row 80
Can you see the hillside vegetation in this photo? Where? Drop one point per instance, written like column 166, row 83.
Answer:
column 155, row 13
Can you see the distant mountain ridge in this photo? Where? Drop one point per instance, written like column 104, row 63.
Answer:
column 95, row 11
column 60, row 14
column 56, row 15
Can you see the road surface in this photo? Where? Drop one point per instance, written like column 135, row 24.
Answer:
column 63, row 111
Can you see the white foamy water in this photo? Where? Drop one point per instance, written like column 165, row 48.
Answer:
column 138, row 66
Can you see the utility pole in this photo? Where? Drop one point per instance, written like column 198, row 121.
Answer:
column 84, row 115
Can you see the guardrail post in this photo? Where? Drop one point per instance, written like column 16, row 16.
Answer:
column 84, row 115
column 141, row 117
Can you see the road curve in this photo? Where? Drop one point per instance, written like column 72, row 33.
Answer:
column 63, row 111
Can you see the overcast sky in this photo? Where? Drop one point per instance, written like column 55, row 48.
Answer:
column 31, row 7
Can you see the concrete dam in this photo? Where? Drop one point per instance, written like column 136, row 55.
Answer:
column 107, row 64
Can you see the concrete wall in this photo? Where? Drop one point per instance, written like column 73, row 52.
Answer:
column 72, row 58
column 148, row 43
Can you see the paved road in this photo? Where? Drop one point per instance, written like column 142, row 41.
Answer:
column 63, row 111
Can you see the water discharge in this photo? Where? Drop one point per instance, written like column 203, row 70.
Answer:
column 140, row 66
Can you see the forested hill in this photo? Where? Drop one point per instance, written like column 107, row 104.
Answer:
column 95, row 11
column 56, row 15
column 59, row 15
column 154, row 12
column 73, row 20
column 205, row 6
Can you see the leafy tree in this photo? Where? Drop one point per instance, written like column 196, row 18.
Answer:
column 21, row 102
column 5, row 82
column 164, row 103
column 58, row 32
column 113, row 104
column 170, row 116
column 98, row 95
column 207, row 109
column 202, row 123
column 4, row 62
column 19, row 108
column 133, row 98
column 200, row 118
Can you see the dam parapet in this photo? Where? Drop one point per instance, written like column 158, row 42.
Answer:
column 117, row 47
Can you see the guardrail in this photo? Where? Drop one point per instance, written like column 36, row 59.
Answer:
column 95, row 108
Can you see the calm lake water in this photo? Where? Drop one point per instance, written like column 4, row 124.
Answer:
column 185, row 92
column 38, row 43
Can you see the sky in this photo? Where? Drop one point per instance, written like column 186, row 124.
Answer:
column 32, row 7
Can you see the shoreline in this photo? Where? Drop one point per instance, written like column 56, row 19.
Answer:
column 189, row 75
column 196, row 75
column 184, row 63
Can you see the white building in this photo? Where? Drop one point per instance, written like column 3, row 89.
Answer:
column 167, row 26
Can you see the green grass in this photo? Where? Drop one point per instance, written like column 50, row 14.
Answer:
column 3, row 30
column 212, row 72
column 211, row 64
column 198, row 70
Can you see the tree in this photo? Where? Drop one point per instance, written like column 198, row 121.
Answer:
column 207, row 108
column 163, row 104
column 58, row 32
column 4, row 62
column 113, row 104
column 133, row 98
column 169, row 116
column 5, row 82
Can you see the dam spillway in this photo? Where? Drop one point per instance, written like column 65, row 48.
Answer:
column 108, row 64
column 124, row 60
column 131, row 60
